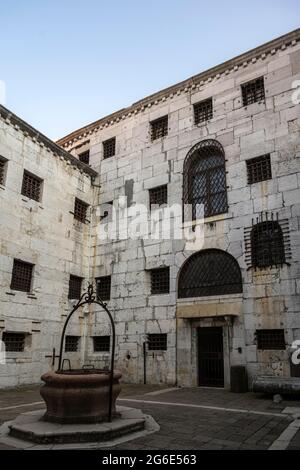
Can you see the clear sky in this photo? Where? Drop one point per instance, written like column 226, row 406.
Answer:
column 67, row 63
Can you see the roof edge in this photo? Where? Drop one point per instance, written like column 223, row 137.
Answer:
column 39, row 137
column 266, row 48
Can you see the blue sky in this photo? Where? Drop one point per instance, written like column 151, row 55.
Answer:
column 67, row 63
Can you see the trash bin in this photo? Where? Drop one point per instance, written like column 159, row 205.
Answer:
column 238, row 379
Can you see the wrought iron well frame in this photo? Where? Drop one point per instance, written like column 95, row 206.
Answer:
column 87, row 298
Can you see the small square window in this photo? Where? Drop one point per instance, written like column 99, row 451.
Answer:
column 159, row 128
column 203, row 111
column 109, row 148
column 75, row 283
column 101, row 343
column 21, row 276
column 84, row 157
column 31, row 186
column 160, row 281
column 270, row 339
column 72, row 343
column 158, row 196
column 3, row 166
column 103, row 287
column 259, row 169
column 14, row 342
column 157, row 342
column 253, row 91
column 80, row 209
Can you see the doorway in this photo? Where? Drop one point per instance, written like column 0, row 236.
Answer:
column 210, row 357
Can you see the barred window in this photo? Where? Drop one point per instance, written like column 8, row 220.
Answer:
column 267, row 244
column 109, row 148
column 31, row 186
column 209, row 272
column 160, row 280
column 14, row 342
column 253, row 91
column 203, row 111
column 270, row 339
column 3, row 164
column 259, row 169
column 103, row 287
column 204, row 180
column 84, row 157
column 101, row 343
column 157, row 342
column 21, row 276
column 72, row 343
column 159, row 128
column 158, row 195
column 80, row 209
column 75, row 283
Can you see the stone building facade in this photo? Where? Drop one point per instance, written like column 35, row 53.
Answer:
column 227, row 138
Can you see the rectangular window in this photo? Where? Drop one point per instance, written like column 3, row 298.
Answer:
column 158, row 196
column 80, row 209
column 21, row 276
column 157, row 342
column 259, row 169
column 14, row 342
column 101, row 343
column 270, row 339
column 109, row 148
column 253, row 91
column 31, row 186
column 84, row 157
column 75, row 283
column 103, row 287
column 160, row 281
column 3, row 164
column 72, row 343
column 159, row 128
column 203, row 111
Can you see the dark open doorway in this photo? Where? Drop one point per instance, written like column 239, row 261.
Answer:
column 210, row 357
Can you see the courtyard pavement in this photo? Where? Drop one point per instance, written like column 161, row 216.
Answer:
column 190, row 418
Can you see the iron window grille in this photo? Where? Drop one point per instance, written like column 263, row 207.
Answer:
column 160, row 280
column 31, row 186
column 2, row 171
column 21, row 276
column 109, row 148
column 72, row 343
column 253, row 91
column 267, row 242
column 101, row 343
column 210, row 272
column 80, row 210
column 204, row 180
column 203, row 111
column 14, row 342
column 103, row 287
column 270, row 339
column 157, row 342
column 84, row 157
column 158, row 195
column 159, row 128
column 75, row 283
column 259, row 169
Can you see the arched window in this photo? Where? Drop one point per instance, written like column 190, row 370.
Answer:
column 210, row 272
column 204, row 179
column 267, row 244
